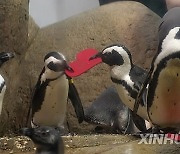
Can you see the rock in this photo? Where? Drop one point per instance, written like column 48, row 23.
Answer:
column 97, row 28
column 14, row 17
column 33, row 29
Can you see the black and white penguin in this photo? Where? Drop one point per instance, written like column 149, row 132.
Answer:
column 110, row 114
column 53, row 88
column 46, row 139
column 126, row 76
column 163, row 80
column 4, row 56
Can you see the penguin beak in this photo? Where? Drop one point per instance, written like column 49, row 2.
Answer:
column 67, row 67
column 5, row 56
column 98, row 55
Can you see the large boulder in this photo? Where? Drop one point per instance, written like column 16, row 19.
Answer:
column 97, row 28
column 14, row 17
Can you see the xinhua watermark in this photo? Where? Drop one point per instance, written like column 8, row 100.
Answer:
column 159, row 139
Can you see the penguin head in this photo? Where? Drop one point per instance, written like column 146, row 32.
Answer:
column 55, row 65
column 119, row 59
column 43, row 137
column 56, row 62
column 114, row 55
column 5, row 56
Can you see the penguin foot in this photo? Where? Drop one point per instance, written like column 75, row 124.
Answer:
column 156, row 130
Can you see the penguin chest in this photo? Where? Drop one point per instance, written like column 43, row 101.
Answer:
column 125, row 96
column 53, row 108
column 165, row 108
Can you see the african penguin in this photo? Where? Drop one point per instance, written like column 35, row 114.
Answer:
column 4, row 56
column 126, row 76
column 46, row 139
column 163, row 80
column 110, row 114
column 53, row 88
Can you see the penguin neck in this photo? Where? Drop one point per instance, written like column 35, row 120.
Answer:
column 51, row 75
column 122, row 73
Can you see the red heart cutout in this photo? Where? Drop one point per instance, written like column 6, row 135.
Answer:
column 82, row 63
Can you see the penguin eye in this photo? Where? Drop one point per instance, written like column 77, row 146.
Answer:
column 107, row 54
column 46, row 133
column 56, row 67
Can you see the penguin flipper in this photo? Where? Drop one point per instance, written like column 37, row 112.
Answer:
column 76, row 101
column 139, row 122
column 141, row 92
column 38, row 94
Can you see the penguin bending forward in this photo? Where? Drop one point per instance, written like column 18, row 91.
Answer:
column 126, row 76
column 110, row 114
column 163, row 80
column 53, row 88
column 46, row 139
column 4, row 56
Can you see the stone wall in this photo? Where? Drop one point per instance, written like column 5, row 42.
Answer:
column 14, row 17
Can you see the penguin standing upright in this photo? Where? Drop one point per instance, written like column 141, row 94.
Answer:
column 126, row 76
column 49, row 103
column 163, row 80
column 4, row 56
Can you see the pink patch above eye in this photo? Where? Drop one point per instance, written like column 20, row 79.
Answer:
column 82, row 63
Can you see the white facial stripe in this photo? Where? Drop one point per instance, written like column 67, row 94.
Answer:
column 62, row 56
column 52, row 59
column 120, row 50
column 169, row 45
column 121, row 72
